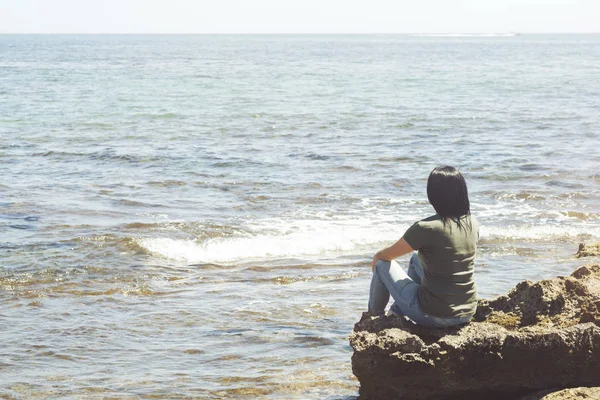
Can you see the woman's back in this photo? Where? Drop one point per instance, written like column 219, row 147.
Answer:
column 447, row 254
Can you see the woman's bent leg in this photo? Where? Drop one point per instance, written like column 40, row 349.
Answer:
column 388, row 278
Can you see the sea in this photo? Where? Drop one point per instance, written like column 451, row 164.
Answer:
column 194, row 216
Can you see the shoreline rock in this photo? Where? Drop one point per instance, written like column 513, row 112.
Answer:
column 590, row 250
column 539, row 336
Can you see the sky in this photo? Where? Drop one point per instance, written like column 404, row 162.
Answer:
column 299, row 16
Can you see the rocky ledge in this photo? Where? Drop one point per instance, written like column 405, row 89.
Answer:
column 543, row 335
column 567, row 394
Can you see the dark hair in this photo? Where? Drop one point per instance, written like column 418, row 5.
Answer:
column 447, row 193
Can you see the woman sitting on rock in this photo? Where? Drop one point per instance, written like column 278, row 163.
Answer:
column 438, row 290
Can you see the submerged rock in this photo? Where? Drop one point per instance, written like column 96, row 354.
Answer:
column 590, row 250
column 540, row 335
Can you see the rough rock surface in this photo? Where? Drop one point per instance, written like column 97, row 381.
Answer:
column 539, row 336
column 592, row 393
column 590, row 250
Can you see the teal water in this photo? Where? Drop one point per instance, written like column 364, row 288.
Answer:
column 193, row 216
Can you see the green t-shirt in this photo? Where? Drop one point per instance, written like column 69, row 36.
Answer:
column 447, row 254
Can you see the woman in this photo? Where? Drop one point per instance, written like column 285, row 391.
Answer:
column 438, row 290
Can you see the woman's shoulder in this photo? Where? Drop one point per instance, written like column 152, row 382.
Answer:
column 435, row 222
column 432, row 218
column 432, row 221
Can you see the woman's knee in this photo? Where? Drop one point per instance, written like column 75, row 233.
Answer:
column 382, row 265
column 386, row 265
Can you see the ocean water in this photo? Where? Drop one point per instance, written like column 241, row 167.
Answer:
column 194, row 216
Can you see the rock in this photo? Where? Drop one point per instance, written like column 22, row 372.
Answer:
column 543, row 335
column 591, row 250
column 591, row 393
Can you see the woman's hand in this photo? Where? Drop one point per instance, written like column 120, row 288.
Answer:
column 396, row 250
column 375, row 258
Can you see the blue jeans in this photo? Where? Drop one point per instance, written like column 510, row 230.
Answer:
column 390, row 278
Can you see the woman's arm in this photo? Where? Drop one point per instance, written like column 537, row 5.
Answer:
column 396, row 250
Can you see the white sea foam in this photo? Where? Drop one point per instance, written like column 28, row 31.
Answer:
column 306, row 239
column 544, row 232
column 307, row 234
column 282, row 240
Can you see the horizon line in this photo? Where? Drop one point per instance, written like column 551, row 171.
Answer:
column 301, row 33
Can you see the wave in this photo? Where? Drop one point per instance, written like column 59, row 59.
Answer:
column 164, row 115
column 107, row 154
column 332, row 239
column 542, row 232
column 278, row 240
